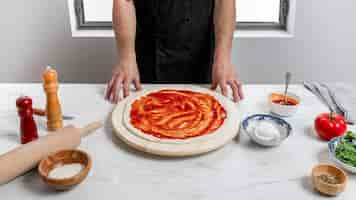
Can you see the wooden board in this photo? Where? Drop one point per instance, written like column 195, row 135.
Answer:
column 194, row 146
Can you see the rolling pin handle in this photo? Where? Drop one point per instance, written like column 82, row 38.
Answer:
column 85, row 131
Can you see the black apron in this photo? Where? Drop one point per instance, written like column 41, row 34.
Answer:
column 175, row 40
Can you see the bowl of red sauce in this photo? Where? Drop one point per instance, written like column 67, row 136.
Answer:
column 284, row 105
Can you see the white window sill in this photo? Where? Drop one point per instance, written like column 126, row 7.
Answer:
column 237, row 34
column 263, row 34
column 80, row 33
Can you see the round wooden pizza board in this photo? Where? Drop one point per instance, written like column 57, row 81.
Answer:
column 191, row 147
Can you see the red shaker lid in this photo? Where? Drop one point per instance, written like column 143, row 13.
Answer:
column 24, row 105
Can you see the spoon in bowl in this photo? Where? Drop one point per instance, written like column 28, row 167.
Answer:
column 287, row 81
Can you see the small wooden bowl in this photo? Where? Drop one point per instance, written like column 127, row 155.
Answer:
column 61, row 158
column 327, row 188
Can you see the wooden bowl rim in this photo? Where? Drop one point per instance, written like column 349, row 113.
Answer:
column 332, row 166
column 83, row 172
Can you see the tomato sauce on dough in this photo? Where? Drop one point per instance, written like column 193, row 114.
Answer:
column 177, row 114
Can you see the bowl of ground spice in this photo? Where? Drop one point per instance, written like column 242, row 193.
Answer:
column 328, row 179
column 65, row 169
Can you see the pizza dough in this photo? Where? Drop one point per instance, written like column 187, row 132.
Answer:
column 175, row 147
column 177, row 114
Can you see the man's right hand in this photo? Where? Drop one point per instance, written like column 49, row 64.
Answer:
column 124, row 73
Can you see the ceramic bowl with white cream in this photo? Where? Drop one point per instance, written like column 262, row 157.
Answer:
column 282, row 105
column 266, row 130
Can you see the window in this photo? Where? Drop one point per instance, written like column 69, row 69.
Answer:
column 262, row 14
column 94, row 14
column 252, row 15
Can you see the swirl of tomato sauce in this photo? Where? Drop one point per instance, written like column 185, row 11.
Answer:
column 177, row 114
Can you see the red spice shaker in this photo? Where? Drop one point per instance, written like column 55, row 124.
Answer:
column 28, row 128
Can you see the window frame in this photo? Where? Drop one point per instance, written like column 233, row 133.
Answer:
column 285, row 27
column 282, row 25
column 82, row 24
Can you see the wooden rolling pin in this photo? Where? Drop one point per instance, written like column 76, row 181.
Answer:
column 26, row 157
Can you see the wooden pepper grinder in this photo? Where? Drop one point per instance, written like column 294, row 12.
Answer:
column 53, row 108
column 28, row 128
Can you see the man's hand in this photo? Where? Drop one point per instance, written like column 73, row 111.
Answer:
column 223, row 70
column 224, row 75
column 124, row 73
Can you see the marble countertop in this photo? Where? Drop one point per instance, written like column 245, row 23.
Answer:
column 240, row 170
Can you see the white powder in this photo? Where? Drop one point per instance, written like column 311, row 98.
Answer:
column 65, row 171
column 267, row 131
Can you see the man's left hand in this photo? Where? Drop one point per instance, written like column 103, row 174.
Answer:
column 224, row 75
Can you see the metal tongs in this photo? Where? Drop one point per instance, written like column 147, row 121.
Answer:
column 334, row 105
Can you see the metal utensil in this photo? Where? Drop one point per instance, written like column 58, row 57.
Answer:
column 40, row 112
column 314, row 90
column 287, row 81
column 325, row 99
column 338, row 105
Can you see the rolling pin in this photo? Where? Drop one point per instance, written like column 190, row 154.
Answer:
column 27, row 156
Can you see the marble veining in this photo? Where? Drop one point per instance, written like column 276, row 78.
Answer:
column 240, row 170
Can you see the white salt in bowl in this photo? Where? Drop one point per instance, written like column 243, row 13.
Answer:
column 61, row 159
column 283, row 127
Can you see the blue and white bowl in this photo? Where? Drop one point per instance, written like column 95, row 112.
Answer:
column 284, row 128
column 332, row 148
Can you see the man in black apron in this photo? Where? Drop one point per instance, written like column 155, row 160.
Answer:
column 173, row 41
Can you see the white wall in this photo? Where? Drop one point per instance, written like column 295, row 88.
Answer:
column 36, row 33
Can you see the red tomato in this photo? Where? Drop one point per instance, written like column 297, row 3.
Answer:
column 329, row 127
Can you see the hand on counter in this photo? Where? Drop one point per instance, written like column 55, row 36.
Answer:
column 223, row 74
column 123, row 74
